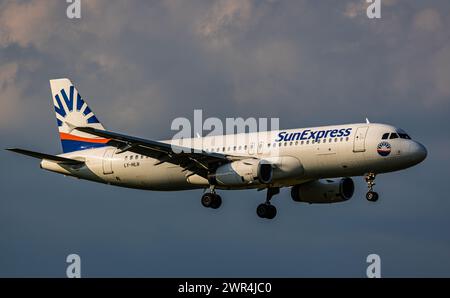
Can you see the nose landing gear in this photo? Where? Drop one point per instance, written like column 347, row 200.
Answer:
column 371, row 195
column 267, row 210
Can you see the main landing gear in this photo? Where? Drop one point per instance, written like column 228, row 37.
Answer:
column 371, row 195
column 211, row 199
column 267, row 210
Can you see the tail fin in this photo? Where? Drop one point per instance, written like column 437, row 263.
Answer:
column 72, row 112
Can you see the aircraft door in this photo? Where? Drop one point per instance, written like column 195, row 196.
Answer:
column 359, row 143
column 107, row 161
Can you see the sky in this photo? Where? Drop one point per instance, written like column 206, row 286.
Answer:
column 140, row 64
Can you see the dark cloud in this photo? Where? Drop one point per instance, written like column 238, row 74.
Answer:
column 140, row 64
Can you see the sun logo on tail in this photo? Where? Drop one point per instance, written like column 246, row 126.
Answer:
column 71, row 108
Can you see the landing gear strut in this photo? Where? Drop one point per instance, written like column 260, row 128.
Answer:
column 267, row 210
column 211, row 199
column 371, row 195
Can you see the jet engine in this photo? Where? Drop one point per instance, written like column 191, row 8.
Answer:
column 242, row 172
column 323, row 191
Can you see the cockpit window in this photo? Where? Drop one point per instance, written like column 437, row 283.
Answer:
column 394, row 136
column 404, row 136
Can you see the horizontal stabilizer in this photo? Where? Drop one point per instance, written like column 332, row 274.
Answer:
column 58, row 159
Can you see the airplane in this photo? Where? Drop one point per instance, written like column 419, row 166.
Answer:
column 316, row 162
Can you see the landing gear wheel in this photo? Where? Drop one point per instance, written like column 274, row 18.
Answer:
column 272, row 212
column 211, row 200
column 266, row 211
column 217, row 201
column 262, row 210
column 372, row 196
column 207, row 199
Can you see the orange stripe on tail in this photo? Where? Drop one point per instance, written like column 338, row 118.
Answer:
column 66, row 136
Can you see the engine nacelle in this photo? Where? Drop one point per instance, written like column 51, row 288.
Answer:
column 324, row 191
column 242, row 172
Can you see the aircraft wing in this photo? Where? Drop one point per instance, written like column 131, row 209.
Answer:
column 197, row 162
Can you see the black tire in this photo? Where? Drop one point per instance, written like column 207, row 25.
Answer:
column 207, row 200
column 262, row 210
column 216, row 202
column 372, row 196
column 266, row 211
column 272, row 212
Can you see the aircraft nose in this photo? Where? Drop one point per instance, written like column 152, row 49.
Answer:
column 418, row 152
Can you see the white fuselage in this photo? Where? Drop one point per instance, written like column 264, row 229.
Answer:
column 297, row 157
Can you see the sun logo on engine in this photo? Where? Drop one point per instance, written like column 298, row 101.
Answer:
column 384, row 148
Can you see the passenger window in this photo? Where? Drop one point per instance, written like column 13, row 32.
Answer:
column 385, row 136
column 393, row 136
column 131, row 157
